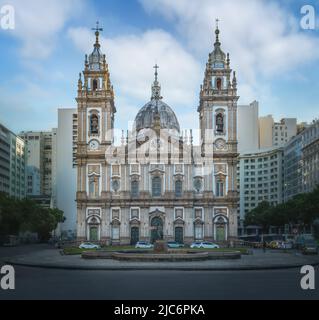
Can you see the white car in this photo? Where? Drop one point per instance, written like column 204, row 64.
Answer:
column 195, row 245
column 89, row 245
column 143, row 245
column 204, row 245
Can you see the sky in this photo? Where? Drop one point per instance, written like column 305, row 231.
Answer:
column 275, row 59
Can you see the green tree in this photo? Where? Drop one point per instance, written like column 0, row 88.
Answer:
column 259, row 216
column 25, row 215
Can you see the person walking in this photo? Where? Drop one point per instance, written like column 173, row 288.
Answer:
column 264, row 246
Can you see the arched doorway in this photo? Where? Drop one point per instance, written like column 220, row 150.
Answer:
column 93, row 228
column 179, row 234
column 221, row 229
column 135, row 235
column 94, row 233
column 156, row 229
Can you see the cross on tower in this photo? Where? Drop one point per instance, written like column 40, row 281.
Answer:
column 97, row 28
column 217, row 22
column 156, row 67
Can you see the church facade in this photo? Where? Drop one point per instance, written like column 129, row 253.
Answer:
column 157, row 184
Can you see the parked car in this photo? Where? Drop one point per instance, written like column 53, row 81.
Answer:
column 310, row 247
column 89, row 245
column 195, row 245
column 288, row 245
column 174, row 245
column 143, row 245
column 204, row 245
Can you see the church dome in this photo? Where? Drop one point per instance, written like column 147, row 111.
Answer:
column 156, row 110
column 146, row 117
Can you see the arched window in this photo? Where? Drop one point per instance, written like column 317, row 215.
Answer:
column 157, row 186
column 178, row 188
column 220, row 187
column 135, row 189
column 219, row 84
column 95, row 84
column 94, row 124
column 220, row 123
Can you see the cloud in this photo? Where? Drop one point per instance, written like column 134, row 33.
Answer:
column 38, row 22
column 131, row 59
column 263, row 38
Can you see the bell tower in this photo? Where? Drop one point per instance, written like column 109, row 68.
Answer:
column 95, row 101
column 96, row 110
column 218, row 103
column 218, row 125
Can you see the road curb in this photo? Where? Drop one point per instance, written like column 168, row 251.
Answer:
column 156, row 268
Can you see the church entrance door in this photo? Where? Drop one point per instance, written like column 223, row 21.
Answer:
column 179, row 235
column 220, row 233
column 135, row 235
column 156, row 229
column 94, row 234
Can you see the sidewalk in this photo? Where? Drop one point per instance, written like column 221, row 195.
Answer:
column 51, row 258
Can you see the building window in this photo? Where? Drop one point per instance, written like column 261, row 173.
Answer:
column 178, row 188
column 95, row 85
column 157, row 186
column 219, row 84
column 94, row 186
column 220, row 187
column 135, row 188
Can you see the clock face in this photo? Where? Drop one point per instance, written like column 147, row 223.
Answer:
column 220, row 144
column 94, row 145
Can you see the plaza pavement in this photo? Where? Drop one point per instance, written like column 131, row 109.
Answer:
column 51, row 258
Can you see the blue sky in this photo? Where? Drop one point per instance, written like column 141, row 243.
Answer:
column 276, row 61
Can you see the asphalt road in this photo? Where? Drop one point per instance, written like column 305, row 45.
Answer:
column 43, row 284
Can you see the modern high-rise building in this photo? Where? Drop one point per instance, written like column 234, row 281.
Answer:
column 283, row 131
column 261, row 178
column 293, row 167
column 5, row 158
column 266, row 125
column 66, row 170
column 276, row 134
column 18, row 167
column 302, row 161
column 33, row 184
column 248, row 127
column 310, row 157
column 40, row 156
column 12, row 164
